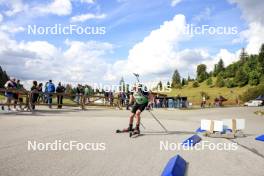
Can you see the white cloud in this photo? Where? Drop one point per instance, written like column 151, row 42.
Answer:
column 252, row 12
column 88, row 1
column 175, row 2
column 11, row 28
column 158, row 53
column 57, row 7
column 14, row 7
column 80, row 62
column 254, row 37
column 1, row 18
column 88, row 16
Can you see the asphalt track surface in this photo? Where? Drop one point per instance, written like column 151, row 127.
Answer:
column 124, row 156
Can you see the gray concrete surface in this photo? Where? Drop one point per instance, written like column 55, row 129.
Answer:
column 124, row 156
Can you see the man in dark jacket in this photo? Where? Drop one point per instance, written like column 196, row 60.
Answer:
column 60, row 89
column 34, row 95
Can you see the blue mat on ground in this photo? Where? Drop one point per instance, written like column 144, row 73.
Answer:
column 260, row 138
column 191, row 141
column 199, row 130
column 175, row 167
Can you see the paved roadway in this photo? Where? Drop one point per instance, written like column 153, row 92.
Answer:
column 124, row 156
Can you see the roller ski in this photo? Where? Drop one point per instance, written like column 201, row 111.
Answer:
column 125, row 130
column 135, row 133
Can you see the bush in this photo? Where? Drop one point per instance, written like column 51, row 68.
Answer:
column 220, row 81
column 209, row 81
column 195, row 84
column 241, row 78
column 230, row 83
column 254, row 77
column 261, row 79
column 252, row 93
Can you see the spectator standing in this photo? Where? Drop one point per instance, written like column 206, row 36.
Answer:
column 60, row 89
column 34, row 94
column 15, row 94
column 111, row 98
column 106, row 94
column 9, row 95
column 203, row 102
column 78, row 93
column 123, row 98
column 46, row 93
column 41, row 95
column 87, row 92
column 50, row 91
column 19, row 87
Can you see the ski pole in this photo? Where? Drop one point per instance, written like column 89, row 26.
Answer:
column 142, row 125
column 158, row 121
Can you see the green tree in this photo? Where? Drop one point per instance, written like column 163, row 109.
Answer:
column 176, row 79
column 189, row 78
column 219, row 67
column 220, row 81
column 243, row 55
column 168, row 84
column 122, row 85
column 209, row 81
column 251, row 64
column 230, row 70
column 184, row 82
column 201, row 73
column 241, row 78
column 229, row 83
column 160, row 86
column 261, row 58
column 3, row 77
column 254, row 78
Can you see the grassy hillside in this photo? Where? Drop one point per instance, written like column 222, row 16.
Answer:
column 194, row 94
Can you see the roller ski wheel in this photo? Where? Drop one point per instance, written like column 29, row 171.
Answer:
column 126, row 130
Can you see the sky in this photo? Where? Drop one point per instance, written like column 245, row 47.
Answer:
column 124, row 37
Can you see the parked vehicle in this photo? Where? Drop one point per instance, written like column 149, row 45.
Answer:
column 253, row 103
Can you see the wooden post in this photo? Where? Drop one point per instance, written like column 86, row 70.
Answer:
column 234, row 128
column 29, row 100
column 83, row 102
column 212, row 127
